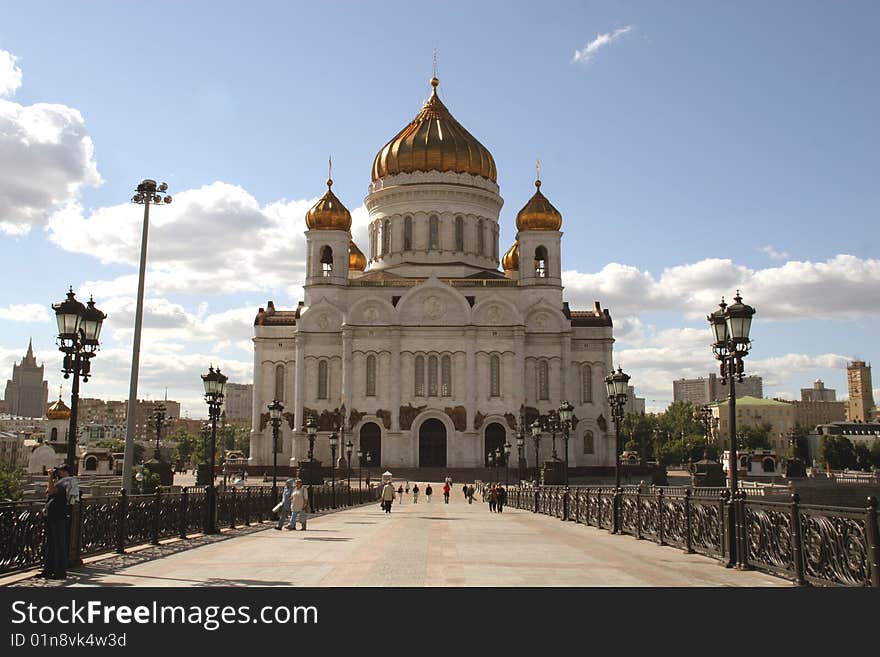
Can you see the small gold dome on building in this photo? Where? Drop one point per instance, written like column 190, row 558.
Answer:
column 58, row 411
column 328, row 213
column 434, row 141
column 538, row 213
column 510, row 259
column 357, row 261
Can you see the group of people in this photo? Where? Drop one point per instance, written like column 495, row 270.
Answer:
column 292, row 506
column 61, row 493
column 496, row 496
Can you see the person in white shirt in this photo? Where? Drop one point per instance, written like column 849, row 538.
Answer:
column 299, row 500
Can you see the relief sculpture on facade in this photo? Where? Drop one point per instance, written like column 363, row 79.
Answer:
column 264, row 420
column 290, row 420
column 478, row 420
column 458, row 415
column 385, row 416
column 407, row 414
column 511, row 420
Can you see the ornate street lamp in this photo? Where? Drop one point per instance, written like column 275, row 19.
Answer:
column 348, row 448
column 334, row 443
column 311, row 429
column 536, row 438
column 520, row 450
column 215, row 388
column 79, row 328
column 276, row 408
column 730, row 330
column 491, row 458
column 360, row 455
column 566, row 414
column 616, row 386
column 507, row 449
column 147, row 193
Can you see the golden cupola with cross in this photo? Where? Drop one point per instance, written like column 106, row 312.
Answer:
column 330, row 251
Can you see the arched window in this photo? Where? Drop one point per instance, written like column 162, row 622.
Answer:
column 432, row 376
column 459, row 234
column 91, row 464
column 494, row 376
column 279, row 382
column 54, row 435
column 586, row 384
column 541, row 262
column 446, row 376
column 386, row 237
column 433, row 232
column 543, row 380
column 323, row 375
column 481, row 237
column 588, row 442
column 769, row 465
column 371, row 376
column 419, row 377
column 373, row 251
column 407, row 233
column 326, row 261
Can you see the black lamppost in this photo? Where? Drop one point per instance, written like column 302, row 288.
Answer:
column 616, row 387
column 730, row 329
column 276, row 408
column 334, row 442
column 311, row 429
column 159, row 420
column 348, row 448
column 520, row 450
column 553, row 427
column 566, row 414
column 215, row 386
column 360, row 455
column 492, row 462
column 79, row 328
column 157, row 465
column 507, row 449
column 536, row 438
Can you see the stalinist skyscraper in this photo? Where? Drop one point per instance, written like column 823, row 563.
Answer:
column 27, row 393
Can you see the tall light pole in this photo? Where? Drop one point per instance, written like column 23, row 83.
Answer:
column 616, row 386
column 730, row 329
column 566, row 414
column 536, row 438
column 507, row 449
column 520, row 449
column 147, row 193
column 215, row 386
column 79, row 328
column 348, row 448
column 275, row 410
column 334, row 442
column 360, row 455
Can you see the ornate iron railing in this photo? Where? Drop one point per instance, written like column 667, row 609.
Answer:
column 828, row 546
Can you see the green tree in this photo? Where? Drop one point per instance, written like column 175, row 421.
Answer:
column 11, row 478
column 838, row 452
column 755, row 437
column 862, row 456
column 119, row 446
column 187, row 444
column 150, row 483
column 875, row 454
column 636, row 431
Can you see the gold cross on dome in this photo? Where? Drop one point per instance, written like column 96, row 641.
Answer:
column 537, row 169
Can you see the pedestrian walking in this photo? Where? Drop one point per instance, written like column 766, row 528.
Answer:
column 428, row 492
column 502, row 497
column 400, row 493
column 284, row 509
column 470, row 494
column 55, row 512
column 299, row 499
column 493, row 498
column 415, row 493
column 388, row 495
column 446, row 490
column 464, row 488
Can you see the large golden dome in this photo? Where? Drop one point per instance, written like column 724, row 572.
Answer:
column 58, row 411
column 538, row 213
column 510, row 259
column 328, row 213
column 434, row 141
column 357, row 261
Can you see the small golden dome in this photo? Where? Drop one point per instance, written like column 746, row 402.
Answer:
column 58, row 411
column 328, row 213
column 510, row 259
column 357, row 261
column 538, row 213
column 434, row 141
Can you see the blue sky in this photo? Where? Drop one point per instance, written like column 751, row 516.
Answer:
column 694, row 147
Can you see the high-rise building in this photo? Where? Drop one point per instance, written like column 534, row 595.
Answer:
column 707, row 390
column 819, row 393
column 633, row 404
column 112, row 415
column 27, row 392
column 238, row 402
column 860, row 406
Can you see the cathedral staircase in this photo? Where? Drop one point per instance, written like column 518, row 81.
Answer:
column 438, row 475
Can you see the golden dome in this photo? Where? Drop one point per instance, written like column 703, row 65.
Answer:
column 510, row 259
column 328, row 213
column 434, row 141
column 58, row 411
column 356, row 259
column 538, row 213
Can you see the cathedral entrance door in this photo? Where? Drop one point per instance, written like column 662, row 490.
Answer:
column 432, row 444
column 495, row 435
column 371, row 443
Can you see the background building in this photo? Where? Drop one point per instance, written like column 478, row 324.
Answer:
column 861, row 394
column 634, row 404
column 12, row 448
column 818, row 393
column 239, row 402
column 754, row 412
column 111, row 415
column 27, row 392
column 706, row 390
column 809, row 414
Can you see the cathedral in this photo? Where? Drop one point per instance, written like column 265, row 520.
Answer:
column 425, row 353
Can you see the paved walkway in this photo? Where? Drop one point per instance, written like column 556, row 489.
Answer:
column 427, row 544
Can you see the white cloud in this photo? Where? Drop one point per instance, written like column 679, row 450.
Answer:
column 773, row 254
column 588, row 52
column 46, row 156
column 10, row 74
column 25, row 312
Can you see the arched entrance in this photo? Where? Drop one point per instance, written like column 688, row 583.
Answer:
column 495, row 438
column 371, row 443
column 432, row 444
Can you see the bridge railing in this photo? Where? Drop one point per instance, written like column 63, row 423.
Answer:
column 809, row 544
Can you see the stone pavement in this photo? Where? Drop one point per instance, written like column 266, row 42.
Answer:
column 427, row 544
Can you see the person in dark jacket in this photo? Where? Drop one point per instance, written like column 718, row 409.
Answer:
column 501, row 494
column 55, row 553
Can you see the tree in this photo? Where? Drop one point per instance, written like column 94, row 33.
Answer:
column 838, row 452
column 187, row 445
column 875, row 454
column 150, row 483
column 862, row 456
column 11, row 478
column 756, row 437
column 119, row 446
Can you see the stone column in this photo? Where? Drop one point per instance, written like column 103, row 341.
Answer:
column 347, row 369
column 299, row 397
column 519, row 340
column 566, row 388
column 395, row 379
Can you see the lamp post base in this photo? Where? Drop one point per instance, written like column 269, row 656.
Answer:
column 203, row 474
